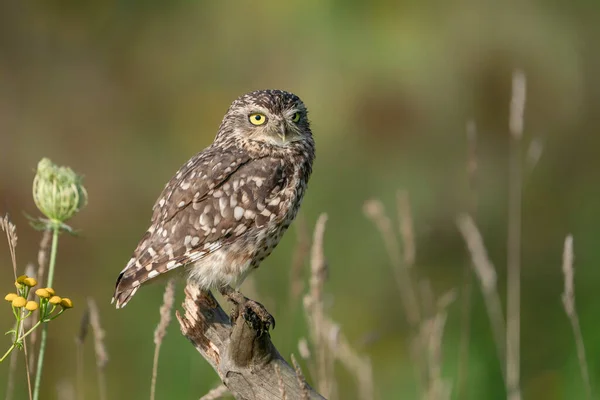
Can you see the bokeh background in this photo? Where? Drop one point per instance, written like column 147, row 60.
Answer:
column 125, row 92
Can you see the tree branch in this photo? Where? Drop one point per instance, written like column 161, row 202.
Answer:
column 247, row 364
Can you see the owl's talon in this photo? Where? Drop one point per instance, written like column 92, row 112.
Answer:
column 253, row 312
column 257, row 316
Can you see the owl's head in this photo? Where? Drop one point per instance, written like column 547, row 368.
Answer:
column 272, row 117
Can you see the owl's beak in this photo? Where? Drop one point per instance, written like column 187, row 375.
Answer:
column 281, row 131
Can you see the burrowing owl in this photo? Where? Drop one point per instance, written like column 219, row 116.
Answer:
column 228, row 207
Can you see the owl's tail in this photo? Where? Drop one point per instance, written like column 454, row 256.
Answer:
column 124, row 291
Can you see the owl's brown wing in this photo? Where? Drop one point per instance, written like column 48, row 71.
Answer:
column 213, row 200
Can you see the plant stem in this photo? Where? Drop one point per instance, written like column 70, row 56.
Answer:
column 56, row 229
column 40, row 364
column 7, row 352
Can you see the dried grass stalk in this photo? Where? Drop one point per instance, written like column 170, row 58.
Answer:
column 301, row 380
column 568, row 299
column 161, row 330
column 99, row 347
column 65, row 390
column 313, row 303
column 375, row 211
column 330, row 343
column 486, row 274
column 281, row 384
column 433, row 329
column 513, row 302
column 84, row 325
column 11, row 235
column 467, row 289
column 300, row 256
column 407, row 233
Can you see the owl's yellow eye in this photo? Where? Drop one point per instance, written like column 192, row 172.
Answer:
column 257, row 119
column 296, row 117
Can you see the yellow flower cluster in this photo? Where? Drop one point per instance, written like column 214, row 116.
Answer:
column 47, row 295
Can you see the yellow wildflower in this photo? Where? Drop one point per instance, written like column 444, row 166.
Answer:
column 21, row 279
column 55, row 300
column 31, row 305
column 31, row 282
column 43, row 293
column 10, row 297
column 19, row 302
column 66, row 303
column 51, row 291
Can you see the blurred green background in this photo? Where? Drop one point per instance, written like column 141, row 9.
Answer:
column 125, row 92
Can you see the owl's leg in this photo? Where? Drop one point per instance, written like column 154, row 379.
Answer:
column 253, row 312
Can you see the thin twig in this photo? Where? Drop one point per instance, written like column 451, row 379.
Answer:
column 99, row 347
column 513, row 302
column 486, row 274
column 161, row 330
column 568, row 299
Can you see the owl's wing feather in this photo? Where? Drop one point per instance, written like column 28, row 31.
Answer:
column 211, row 201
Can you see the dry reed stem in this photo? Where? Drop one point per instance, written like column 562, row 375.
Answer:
column 467, row 289
column 161, row 330
column 374, row 210
column 407, row 233
column 568, row 299
column 301, row 380
column 513, row 292
column 486, row 274
column 99, row 347
column 217, row 393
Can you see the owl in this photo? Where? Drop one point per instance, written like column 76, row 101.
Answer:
column 227, row 208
